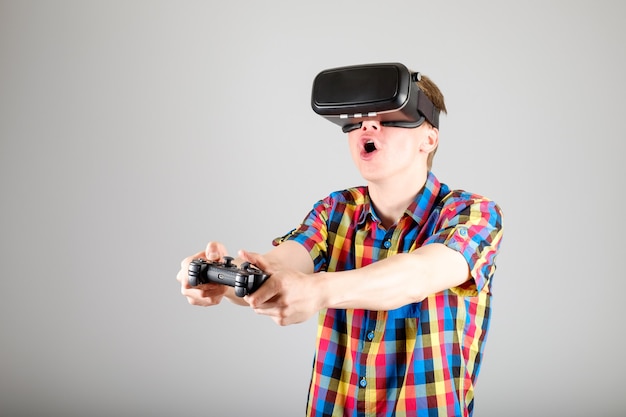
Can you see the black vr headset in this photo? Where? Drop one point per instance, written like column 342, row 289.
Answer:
column 386, row 92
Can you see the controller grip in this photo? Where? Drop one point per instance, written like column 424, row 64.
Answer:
column 241, row 291
column 194, row 273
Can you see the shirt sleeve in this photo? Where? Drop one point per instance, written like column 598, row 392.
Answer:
column 312, row 234
column 471, row 225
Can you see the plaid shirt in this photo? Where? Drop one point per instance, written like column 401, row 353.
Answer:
column 421, row 359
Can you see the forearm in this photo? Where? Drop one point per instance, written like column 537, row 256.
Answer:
column 396, row 281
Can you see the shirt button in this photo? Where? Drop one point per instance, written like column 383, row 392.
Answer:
column 363, row 383
column 370, row 335
column 387, row 244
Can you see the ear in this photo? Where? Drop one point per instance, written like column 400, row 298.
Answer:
column 431, row 140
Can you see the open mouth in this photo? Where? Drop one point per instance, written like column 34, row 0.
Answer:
column 369, row 147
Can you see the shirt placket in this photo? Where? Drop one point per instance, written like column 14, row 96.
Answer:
column 373, row 328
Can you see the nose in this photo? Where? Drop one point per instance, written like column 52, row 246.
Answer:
column 370, row 125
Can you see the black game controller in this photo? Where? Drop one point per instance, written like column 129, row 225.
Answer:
column 245, row 279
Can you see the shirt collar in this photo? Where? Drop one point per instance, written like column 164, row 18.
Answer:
column 366, row 211
column 418, row 210
column 423, row 203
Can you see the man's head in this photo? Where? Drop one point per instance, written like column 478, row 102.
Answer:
column 388, row 92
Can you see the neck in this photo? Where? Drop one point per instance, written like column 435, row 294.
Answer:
column 391, row 199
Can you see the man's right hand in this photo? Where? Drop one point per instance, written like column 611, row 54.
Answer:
column 205, row 294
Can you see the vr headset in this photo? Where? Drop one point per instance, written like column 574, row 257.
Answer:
column 386, row 92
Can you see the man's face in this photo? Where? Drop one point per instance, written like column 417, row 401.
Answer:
column 391, row 153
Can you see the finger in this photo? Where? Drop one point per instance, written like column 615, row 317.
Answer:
column 262, row 297
column 276, row 313
column 267, row 310
column 215, row 251
column 203, row 300
column 182, row 275
column 255, row 259
column 204, row 294
column 184, row 264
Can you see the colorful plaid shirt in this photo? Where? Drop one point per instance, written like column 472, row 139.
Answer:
column 421, row 359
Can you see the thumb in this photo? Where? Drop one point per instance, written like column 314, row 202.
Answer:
column 215, row 251
column 255, row 259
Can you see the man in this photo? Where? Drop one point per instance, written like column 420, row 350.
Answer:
column 404, row 300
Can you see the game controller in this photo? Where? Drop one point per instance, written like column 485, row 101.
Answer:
column 245, row 279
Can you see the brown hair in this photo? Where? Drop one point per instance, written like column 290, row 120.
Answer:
column 436, row 96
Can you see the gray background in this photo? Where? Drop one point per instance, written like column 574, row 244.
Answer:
column 132, row 132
